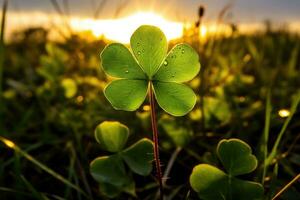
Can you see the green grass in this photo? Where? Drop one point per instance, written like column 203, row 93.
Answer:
column 54, row 131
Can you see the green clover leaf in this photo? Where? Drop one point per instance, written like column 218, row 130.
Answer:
column 149, row 65
column 212, row 183
column 139, row 157
column 112, row 136
column 111, row 171
column 236, row 157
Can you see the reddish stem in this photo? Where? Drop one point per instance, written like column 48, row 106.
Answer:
column 155, row 140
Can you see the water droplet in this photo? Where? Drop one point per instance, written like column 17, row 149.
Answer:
column 126, row 71
column 179, row 47
column 138, row 44
column 139, row 53
column 173, row 76
column 165, row 63
column 182, row 51
column 143, row 50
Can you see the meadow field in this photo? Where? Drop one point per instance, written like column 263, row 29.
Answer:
column 52, row 100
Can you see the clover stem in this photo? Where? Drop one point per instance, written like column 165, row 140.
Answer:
column 155, row 140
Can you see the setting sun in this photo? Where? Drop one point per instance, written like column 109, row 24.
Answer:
column 121, row 29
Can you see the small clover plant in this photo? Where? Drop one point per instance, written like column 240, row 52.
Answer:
column 237, row 159
column 149, row 65
column 110, row 171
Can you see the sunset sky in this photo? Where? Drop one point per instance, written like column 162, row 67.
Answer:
column 244, row 10
column 167, row 13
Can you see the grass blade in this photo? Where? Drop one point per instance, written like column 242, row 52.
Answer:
column 294, row 106
column 33, row 191
column 266, row 132
column 13, row 146
column 14, row 191
column 286, row 186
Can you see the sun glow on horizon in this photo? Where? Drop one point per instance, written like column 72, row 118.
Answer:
column 120, row 30
column 203, row 31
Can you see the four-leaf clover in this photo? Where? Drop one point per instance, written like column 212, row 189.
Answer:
column 149, row 65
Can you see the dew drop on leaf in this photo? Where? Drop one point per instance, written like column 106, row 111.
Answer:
column 126, row 71
column 139, row 53
column 165, row 63
column 182, row 51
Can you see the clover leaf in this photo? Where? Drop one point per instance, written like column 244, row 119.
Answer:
column 112, row 136
column 110, row 171
column 236, row 157
column 212, row 183
column 139, row 158
column 149, row 65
